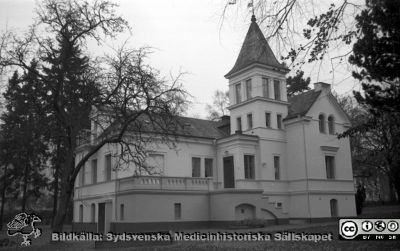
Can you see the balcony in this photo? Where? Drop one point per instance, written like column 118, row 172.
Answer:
column 165, row 183
column 145, row 183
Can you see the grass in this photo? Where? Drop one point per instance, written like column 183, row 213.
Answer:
column 42, row 243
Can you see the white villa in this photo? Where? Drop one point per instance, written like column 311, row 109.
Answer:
column 274, row 158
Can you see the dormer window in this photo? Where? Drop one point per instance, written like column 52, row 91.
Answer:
column 321, row 120
column 277, row 90
column 248, row 89
column 331, row 125
column 265, row 87
column 238, row 93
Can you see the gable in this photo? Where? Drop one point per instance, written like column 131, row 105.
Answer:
column 327, row 104
column 300, row 104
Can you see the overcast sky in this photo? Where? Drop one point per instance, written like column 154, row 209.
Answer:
column 186, row 36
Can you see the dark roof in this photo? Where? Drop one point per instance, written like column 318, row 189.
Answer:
column 202, row 128
column 255, row 49
column 300, row 104
column 179, row 126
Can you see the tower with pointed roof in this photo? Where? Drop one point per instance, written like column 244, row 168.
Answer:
column 257, row 87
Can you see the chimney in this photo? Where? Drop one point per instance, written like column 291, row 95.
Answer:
column 321, row 86
column 225, row 119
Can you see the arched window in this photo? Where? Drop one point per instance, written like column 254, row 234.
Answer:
column 321, row 119
column 334, row 207
column 93, row 212
column 81, row 213
column 331, row 124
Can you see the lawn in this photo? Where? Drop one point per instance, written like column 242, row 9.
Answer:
column 42, row 243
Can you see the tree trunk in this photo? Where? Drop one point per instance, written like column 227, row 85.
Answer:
column 55, row 196
column 3, row 196
column 65, row 197
column 24, row 188
column 56, row 178
column 66, row 189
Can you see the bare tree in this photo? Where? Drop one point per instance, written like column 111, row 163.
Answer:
column 304, row 31
column 219, row 105
column 128, row 101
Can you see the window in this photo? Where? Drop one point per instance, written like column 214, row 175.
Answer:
column 238, row 93
column 155, row 164
column 268, row 119
column 108, row 167
column 330, row 167
column 178, row 211
column 277, row 90
column 279, row 121
column 321, row 119
column 277, row 167
column 248, row 89
column 82, row 180
column 331, row 125
column 94, row 171
column 239, row 123
column 122, row 212
column 334, row 207
column 208, row 167
column 80, row 213
column 249, row 167
column 265, row 87
column 195, row 167
column 249, row 121
column 93, row 212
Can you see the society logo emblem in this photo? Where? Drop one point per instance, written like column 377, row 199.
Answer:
column 367, row 226
column 380, row 225
column 348, row 229
column 25, row 225
column 392, row 226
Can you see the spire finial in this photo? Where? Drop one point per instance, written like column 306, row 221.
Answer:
column 253, row 18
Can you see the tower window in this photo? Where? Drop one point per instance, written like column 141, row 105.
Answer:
column 265, row 87
column 268, row 119
column 279, row 121
column 248, row 89
column 321, row 119
column 249, row 121
column 238, row 93
column 277, row 90
column 331, row 125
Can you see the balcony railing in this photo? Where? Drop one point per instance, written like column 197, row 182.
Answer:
column 165, row 183
column 145, row 183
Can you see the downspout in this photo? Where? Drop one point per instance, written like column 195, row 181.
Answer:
column 216, row 174
column 306, row 169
